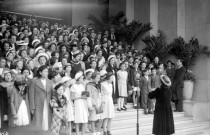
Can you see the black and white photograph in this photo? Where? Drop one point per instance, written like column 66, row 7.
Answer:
column 104, row 67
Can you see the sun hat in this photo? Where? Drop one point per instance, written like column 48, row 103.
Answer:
column 111, row 56
column 34, row 41
column 65, row 79
column 88, row 70
column 42, row 54
column 21, row 43
column 166, row 80
column 78, row 75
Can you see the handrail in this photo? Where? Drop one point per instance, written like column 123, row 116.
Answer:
column 33, row 15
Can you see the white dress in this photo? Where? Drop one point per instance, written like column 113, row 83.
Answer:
column 22, row 115
column 45, row 110
column 122, row 83
column 106, row 92
column 81, row 109
column 70, row 111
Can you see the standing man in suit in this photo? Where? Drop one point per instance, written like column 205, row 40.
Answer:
column 112, row 35
column 144, row 90
column 92, row 40
column 105, row 51
column 177, row 86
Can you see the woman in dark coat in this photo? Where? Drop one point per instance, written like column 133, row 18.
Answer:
column 3, row 109
column 163, row 123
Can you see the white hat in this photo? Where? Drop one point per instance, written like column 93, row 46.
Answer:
column 74, row 31
column 38, row 48
column 35, row 40
column 42, row 54
column 71, row 34
column 103, row 72
column 83, row 39
column 65, row 79
column 58, row 65
column 66, row 31
column 78, row 75
column 89, row 70
column 166, row 80
column 19, row 33
column 111, row 56
column 58, row 28
column 21, row 42
column 3, row 25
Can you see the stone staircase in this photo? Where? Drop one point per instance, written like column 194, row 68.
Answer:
column 125, row 123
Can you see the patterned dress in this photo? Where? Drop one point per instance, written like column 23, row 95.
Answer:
column 61, row 106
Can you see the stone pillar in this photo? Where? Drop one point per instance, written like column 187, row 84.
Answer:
column 130, row 10
column 181, row 18
column 154, row 16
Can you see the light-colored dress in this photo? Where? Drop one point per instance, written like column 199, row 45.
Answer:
column 45, row 110
column 81, row 109
column 22, row 115
column 70, row 111
column 122, row 83
column 95, row 100
column 106, row 92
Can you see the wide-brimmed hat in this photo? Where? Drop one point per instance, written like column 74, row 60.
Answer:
column 38, row 48
column 111, row 56
column 78, row 75
column 34, row 41
column 5, row 71
column 57, row 65
column 42, row 54
column 65, row 79
column 89, row 70
column 21, row 43
column 166, row 80
column 103, row 72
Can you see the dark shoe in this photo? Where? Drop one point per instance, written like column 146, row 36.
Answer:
column 109, row 133
column 118, row 109
column 124, row 109
column 151, row 112
column 135, row 107
column 105, row 133
column 145, row 112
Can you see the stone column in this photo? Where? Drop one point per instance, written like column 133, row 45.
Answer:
column 130, row 10
column 181, row 18
column 154, row 16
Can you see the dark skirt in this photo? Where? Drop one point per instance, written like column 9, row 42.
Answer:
column 163, row 123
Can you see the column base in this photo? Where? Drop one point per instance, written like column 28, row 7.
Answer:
column 198, row 110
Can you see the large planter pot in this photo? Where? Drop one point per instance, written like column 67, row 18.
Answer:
column 188, row 90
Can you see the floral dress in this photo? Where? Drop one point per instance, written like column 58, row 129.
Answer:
column 61, row 106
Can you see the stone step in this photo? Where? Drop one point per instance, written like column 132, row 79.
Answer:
column 133, row 113
column 130, row 105
column 181, row 128
column 145, row 123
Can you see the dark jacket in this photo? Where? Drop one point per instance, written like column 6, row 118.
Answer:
column 105, row 53
column 178, row 83
column 4, row 109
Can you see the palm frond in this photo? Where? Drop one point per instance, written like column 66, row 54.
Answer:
column 156, row 46
column 188, row 51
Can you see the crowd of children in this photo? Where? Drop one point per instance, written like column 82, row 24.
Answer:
column 59, row 77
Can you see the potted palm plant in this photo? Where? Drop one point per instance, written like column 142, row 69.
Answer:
column 188, row 52
column 157, row 46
